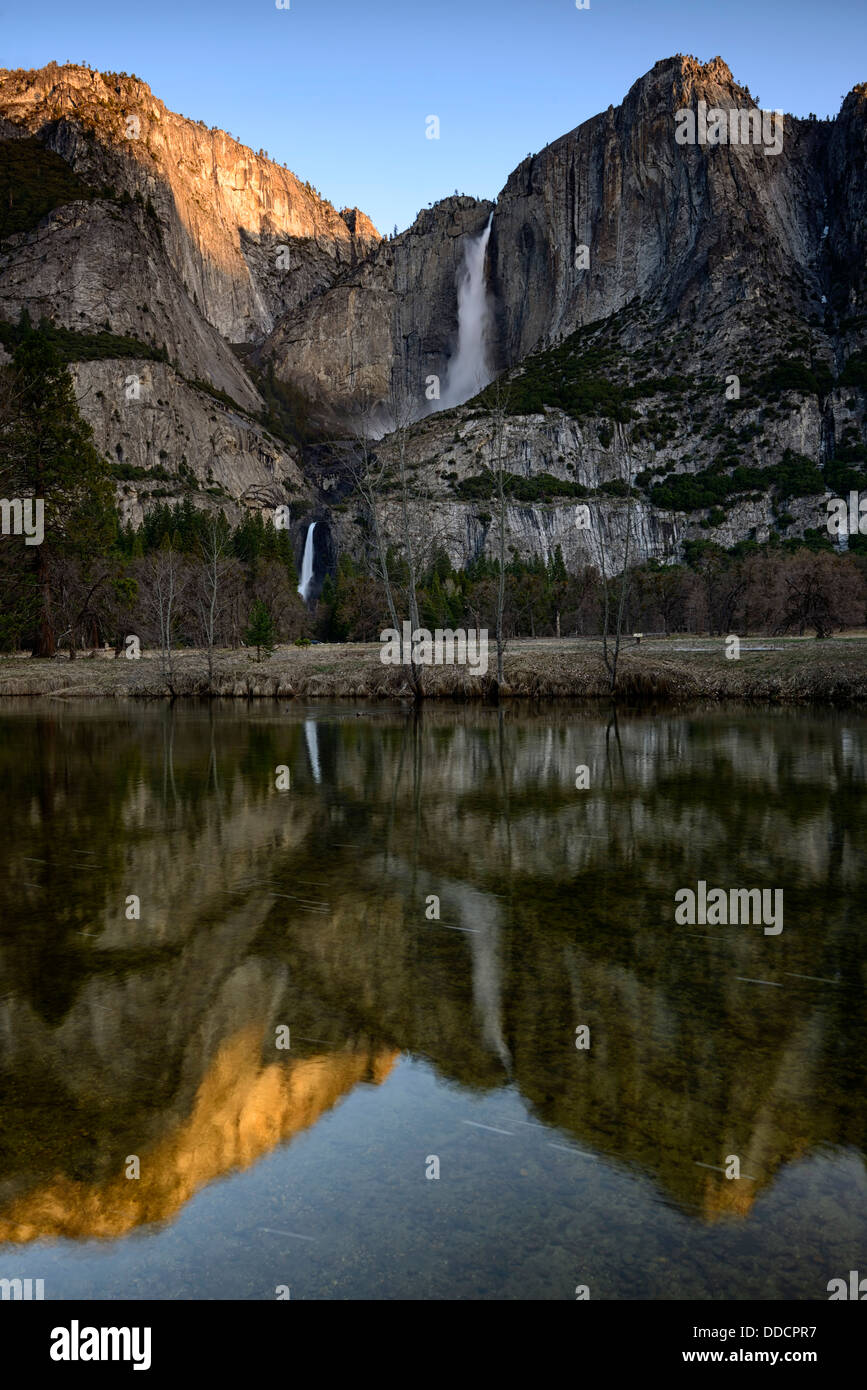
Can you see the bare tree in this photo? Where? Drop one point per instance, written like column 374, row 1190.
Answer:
column 234, row 602
column 368, row 471
column 664, row 594
column 162, row 590
column 213, row 544
column 401, row 509
column 821, row 591
column 402, row 416
column 497, row 398
column 398, row 505
column 611, row 652
column 723, row 585
column 79, row 594
column 272, row 586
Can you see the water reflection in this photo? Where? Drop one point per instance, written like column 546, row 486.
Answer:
column 311, row 909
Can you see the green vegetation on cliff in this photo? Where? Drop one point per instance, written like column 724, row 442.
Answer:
column 72, row 346
column 33, row 182
column 793, row 476
column 542, row 487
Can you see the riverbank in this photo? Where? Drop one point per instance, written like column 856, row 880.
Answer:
column 679, row 670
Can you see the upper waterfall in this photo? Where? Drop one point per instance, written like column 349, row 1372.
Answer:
column 469, row 370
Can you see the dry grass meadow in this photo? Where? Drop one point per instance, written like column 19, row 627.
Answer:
column 676, row 669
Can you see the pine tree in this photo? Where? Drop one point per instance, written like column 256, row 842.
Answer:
column 248, row 540
column 283, row 551
column 49, row 454
column 260, row 634
column 328, row 605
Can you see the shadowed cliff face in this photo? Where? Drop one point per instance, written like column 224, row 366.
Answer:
column 157, row 1036
column 692, row 231
column 391, row 322
column 847, row 198
column 703, row 263
column 711, row 238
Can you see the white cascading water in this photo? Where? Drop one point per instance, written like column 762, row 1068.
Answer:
column 307, row 563
column 468, row 370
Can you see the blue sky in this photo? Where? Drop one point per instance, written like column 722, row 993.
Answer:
column 340, row 89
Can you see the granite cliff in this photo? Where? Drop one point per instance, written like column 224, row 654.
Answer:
column 686, row 315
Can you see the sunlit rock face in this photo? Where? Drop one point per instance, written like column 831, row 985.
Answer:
column 223, row 210
column 104, row 264
column 202, row 244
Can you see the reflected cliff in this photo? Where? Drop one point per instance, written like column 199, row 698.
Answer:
column 310, row 909
column 242, row 1109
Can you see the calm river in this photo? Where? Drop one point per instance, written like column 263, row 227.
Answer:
column 363, row 1005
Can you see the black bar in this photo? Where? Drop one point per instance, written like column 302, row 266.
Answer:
column 252, row 1339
